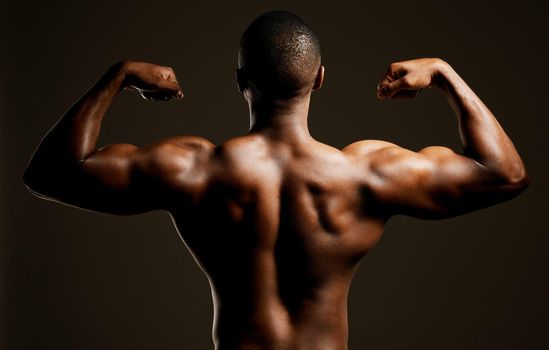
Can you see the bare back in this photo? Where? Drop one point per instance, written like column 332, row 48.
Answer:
column 279, row 230
column 277, row 220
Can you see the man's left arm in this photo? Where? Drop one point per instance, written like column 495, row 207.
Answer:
column 118, row 179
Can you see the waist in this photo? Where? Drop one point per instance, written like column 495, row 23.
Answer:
column 274, row 326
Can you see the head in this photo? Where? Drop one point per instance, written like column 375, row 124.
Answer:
column 279, row 57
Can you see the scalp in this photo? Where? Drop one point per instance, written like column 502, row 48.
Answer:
column 280, row 53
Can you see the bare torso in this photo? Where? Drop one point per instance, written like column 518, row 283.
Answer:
column 279, row 229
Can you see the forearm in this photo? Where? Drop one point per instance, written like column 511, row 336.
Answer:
column 74, row 136
column 482, row 137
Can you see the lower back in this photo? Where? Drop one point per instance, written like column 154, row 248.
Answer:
column 272, row 325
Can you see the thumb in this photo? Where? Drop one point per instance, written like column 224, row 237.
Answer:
column 172, row 86
column 388, row 89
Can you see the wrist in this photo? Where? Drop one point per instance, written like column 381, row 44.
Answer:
column 441, row 73
column 117, row 75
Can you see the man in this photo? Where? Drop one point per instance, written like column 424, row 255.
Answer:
column 277, row 220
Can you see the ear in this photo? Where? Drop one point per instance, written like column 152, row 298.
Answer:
column 319, row 78
column 241, row 81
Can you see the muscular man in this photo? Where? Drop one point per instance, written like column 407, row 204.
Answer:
column 277, row 220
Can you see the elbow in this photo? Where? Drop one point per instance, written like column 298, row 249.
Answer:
column 35, row 183
column 27, row 178
column 48, row 183
column 518, row 180
column 511, row 179
column 523, row 182
column 30, row 181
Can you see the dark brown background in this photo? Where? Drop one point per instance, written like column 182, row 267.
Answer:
column 74, row 279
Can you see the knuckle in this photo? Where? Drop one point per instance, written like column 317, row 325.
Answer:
column 406, row 81
column 393, row 67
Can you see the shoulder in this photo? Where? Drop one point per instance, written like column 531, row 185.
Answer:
column 179, row 146
column 189, row 143
column 384, row 151
column 170, row 159
column 361, row 148
column 242, row 149
column 387, row 159
column 244, row 161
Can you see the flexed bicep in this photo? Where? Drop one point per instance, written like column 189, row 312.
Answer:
column 110, row 181
column 437, row 182
column 114, row 180
column 123, row 179
column 434, row 183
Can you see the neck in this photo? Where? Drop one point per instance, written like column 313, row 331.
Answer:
column 281, row 119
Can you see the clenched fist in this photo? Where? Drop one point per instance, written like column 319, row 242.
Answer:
column 152, row 81
column 407, row 79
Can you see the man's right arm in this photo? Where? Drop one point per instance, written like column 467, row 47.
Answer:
column 437, row 182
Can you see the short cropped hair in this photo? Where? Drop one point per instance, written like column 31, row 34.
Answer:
column 280, row 54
